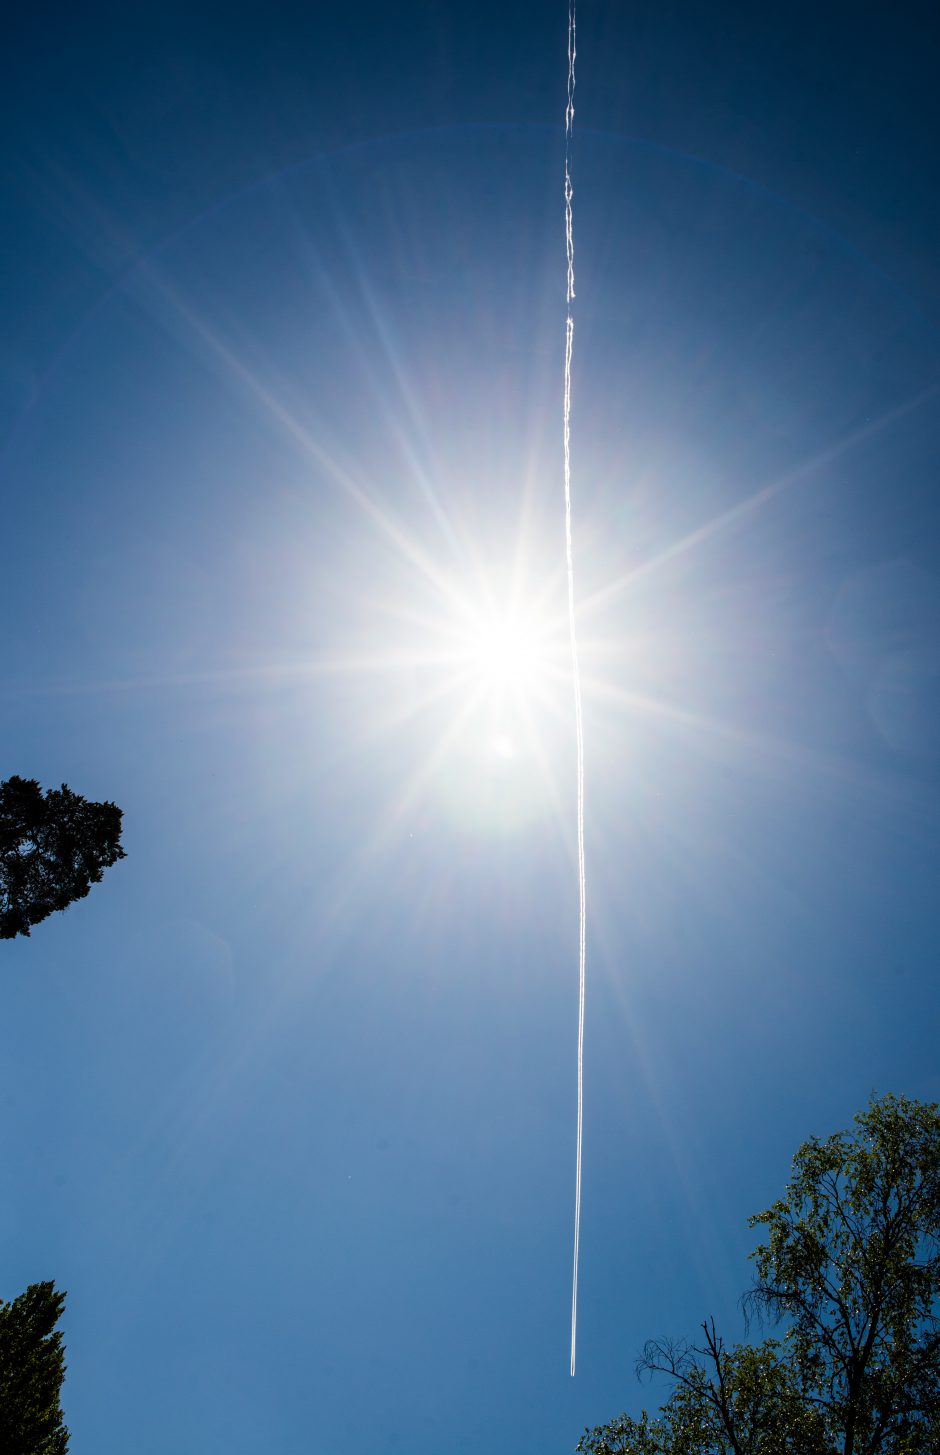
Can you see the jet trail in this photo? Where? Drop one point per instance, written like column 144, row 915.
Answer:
column 575, row 670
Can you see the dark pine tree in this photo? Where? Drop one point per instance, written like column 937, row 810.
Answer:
column 53, row 847
column 32, row 1367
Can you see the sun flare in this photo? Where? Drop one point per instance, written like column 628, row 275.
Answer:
column 506, row 653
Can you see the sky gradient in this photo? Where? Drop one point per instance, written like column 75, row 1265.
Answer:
column 289, row 1099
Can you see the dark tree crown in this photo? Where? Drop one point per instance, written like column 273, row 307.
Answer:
column 53, row 847
column 32, row 1368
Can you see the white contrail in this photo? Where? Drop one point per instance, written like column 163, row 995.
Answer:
column 575, row 672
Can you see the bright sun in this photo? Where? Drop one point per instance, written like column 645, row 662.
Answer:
column 506, row 654
column 509, row 665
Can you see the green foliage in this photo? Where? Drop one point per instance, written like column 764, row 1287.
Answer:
column 852, row 1264
column 739, row 1401
column 53, row 847
column 850, row 1269
column 32, row 1367
column 626, row 1436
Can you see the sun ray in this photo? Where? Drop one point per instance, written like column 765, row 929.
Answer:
column 754, row 502
column 311, row 450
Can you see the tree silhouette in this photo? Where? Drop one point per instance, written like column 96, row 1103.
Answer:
column 53, row 847
column 32, row 1367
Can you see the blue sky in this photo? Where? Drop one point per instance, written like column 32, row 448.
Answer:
column 289, row 1099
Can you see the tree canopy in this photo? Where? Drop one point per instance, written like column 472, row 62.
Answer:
column 32, row 1367
column 53, row 847
column 849, row 1272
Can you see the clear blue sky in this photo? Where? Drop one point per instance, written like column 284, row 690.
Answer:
column 288, row 1101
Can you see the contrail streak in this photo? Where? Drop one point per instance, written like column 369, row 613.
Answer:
column 575, row 672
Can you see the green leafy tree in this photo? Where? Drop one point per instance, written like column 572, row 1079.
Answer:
column 53, row 847
column 32, row 1368
column 850, row 1272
